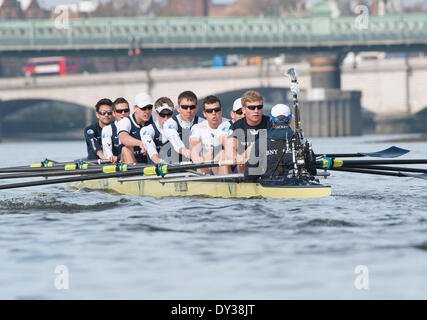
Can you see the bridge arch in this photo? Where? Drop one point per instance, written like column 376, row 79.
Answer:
column 16, row 105
column 49, row 119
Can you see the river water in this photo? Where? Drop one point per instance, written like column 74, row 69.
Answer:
column 367, row 241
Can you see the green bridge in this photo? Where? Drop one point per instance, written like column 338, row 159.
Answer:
column 185, row 35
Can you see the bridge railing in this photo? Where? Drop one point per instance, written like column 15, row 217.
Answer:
column 203, row 32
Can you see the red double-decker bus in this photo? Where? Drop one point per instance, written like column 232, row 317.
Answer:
column 51, row 66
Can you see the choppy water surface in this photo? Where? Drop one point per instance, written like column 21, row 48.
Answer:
column 122, row 247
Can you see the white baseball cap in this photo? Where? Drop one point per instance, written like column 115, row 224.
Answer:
column 164, row 106
column 142, row 99
column 281, row 110
column 237, row 104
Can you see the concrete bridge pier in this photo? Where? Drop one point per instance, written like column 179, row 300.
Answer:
column 325, row 72
column 330, row 111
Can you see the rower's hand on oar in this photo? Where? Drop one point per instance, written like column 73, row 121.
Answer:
column 143, row 150
column 240, row 159
column 100, row 155
column 186, row 152
column 156, row 159
column 113, row 159
column 197, row 159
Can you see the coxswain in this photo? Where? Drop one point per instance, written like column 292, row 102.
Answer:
column 244, row 134
column 152, row 135
column 93, row 133
column 236, row 112
column 177, row 129
column 208, row 138
column 111, row 145
column 278, row 159
column 129, row 129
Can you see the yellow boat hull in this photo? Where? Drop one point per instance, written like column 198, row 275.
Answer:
column 204, row 188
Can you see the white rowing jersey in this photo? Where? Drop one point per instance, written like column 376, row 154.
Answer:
column 153, row 138
column 177, row 131
column 110, row 140
column 210, row 138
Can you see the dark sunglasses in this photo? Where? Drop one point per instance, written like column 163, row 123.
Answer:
column 239, row 112
column 255, row 107
column 122, row 110
column 149, row 107
column 103, row 113
column 217, row 109
column 165, row 114
column 186, row 107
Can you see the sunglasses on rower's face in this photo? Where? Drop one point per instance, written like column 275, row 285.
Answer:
column 217, row 109
column 185, row 107
column 165, row 114
column 149, row 107
column 103, row 113
column 239, row 111
column 122, row 110
column 259, row 107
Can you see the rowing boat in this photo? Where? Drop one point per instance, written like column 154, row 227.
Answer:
column 183, row 179
column 204, row 189
column 195, row 186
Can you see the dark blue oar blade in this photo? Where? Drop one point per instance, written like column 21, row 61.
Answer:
column 418, row 176
column 392, row 152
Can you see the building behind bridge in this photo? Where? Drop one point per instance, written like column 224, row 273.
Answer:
column 31, row 9
column 24, row 9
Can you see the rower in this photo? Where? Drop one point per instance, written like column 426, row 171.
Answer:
column 236, row 112
column 152, row 135
column 111, row 145
column 177, row 129
column 245, row 132
column 208, row 138
column 93, row 133
column 129, row 130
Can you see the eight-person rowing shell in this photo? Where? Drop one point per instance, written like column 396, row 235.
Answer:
column 277, row 161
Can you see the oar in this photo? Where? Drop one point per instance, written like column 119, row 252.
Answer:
column 382, row 173
column 328, row 163
column 66, row 166
column 388, row 168
column 71, row 172
column 161, row 169
column 49, row 165
column 392, row 152
column 97, row 161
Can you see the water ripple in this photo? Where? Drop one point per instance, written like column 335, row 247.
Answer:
column 328, row 223
column 121, row 246
column 25, row 206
